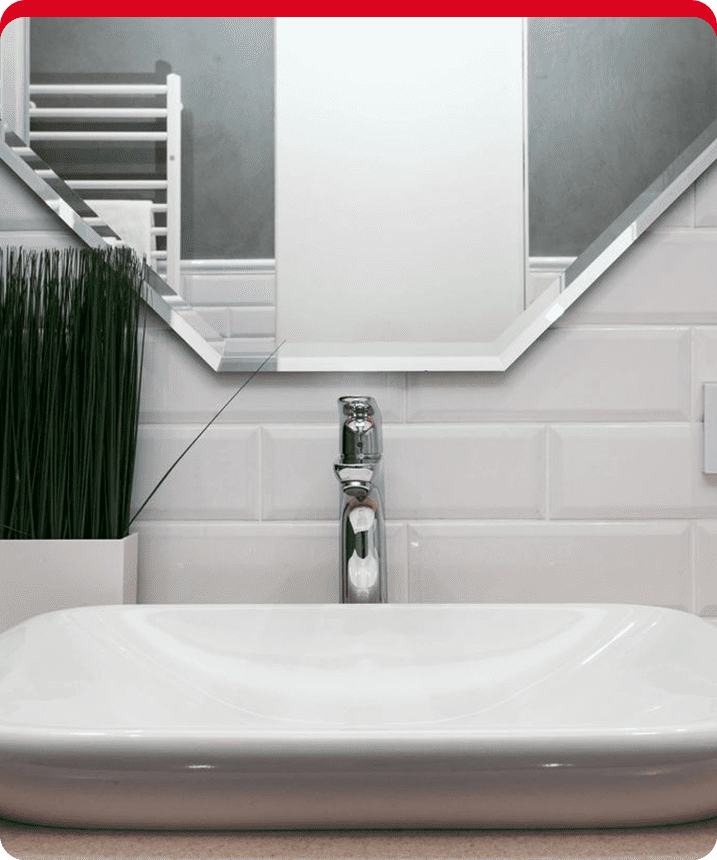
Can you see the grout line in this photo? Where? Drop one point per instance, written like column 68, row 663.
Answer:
column 693, row 564
column 405, row 397
column 691, row 408
column 407, row 531
column 547, row 511
column 260, row 473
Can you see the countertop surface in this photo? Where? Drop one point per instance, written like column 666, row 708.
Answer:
column 28, row 842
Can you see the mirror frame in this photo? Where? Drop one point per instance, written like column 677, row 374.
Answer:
column 229, row 354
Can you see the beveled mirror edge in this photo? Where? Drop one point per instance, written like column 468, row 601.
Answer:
column 499, row 354
column 180, row 316
column 227, row 354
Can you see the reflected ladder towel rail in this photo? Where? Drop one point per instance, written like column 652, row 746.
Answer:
column 170, row 185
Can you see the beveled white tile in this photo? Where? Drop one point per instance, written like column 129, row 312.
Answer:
column 668, row 277
column 237, row 563
column 244, row 322
column 252, row 321
column 430, row 471
column 706, row 198
column 538, row 282
column 60, row 238
column 217, row 479
column 178, row 387
column 620, row 471
column 217, row 317
column 397, row 561
column 582, row 373
column 519, row 562
column 313, row 397
column 704, row 365
column 680, row 214
column 449, row 471
column 706, row 567
column 217, row 288
column 259, row 346
column 298, row 480
column 251, row 562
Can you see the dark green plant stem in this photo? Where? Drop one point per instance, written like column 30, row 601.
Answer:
column 70, row 376
column 204, row 430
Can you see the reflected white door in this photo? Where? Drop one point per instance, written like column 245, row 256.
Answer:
column 400, row 178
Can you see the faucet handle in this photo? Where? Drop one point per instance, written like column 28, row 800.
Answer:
column 360, row 428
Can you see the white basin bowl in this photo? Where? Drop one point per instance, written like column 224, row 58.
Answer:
column 326, row 716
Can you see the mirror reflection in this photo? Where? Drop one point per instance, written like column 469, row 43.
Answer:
column 611, row 102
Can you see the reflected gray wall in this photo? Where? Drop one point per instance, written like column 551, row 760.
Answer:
column 227, row 71
column 611, row 102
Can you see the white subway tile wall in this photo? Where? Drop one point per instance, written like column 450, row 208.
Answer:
column 668, row 277
column 259, row 562
column 519, row 562
column 217, row 479
column 574, row 476
column 583, row 373
column 705, row 565
column 704, row 365
column 629, row 471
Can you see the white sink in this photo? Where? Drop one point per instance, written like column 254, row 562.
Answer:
column 323, row 716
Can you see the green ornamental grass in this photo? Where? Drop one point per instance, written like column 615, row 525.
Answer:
column 71, row 349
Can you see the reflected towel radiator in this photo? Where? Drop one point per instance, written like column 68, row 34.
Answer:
column 73, row 112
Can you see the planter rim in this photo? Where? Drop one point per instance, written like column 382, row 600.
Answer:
column 70, row 540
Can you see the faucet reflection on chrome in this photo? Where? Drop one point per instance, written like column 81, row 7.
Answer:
column 359, row 470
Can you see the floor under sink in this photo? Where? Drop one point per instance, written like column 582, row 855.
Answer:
column 671, row 842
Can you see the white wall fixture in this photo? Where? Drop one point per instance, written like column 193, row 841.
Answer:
column 361, row 350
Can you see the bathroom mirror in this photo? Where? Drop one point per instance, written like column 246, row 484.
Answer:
column 548, row 290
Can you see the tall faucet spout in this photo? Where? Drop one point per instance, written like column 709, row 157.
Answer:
column 359, row 470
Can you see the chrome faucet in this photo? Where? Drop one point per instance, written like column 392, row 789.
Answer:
column 363, row 529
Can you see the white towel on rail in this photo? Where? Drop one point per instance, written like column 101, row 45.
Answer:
column 130, row 219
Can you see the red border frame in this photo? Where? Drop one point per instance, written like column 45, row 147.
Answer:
column 163, row 8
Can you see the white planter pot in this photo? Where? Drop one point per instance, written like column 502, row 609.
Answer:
column 39, row 576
